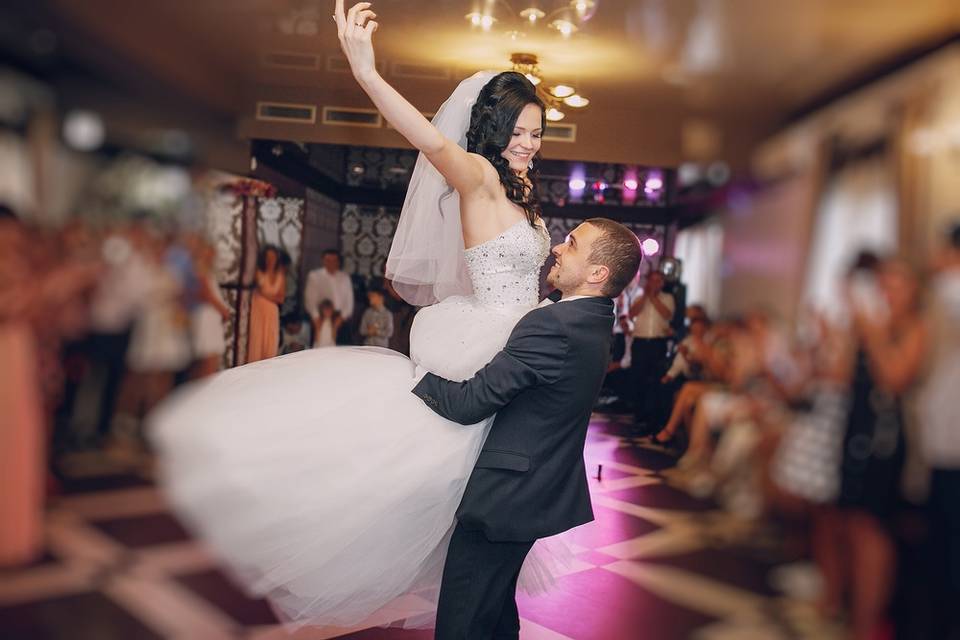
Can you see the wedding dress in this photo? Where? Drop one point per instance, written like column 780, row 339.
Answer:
column 321, row 481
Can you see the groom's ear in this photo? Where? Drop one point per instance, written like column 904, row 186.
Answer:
column 598, row 274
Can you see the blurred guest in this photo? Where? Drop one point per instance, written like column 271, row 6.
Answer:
column 296, row 333
column 939, row 408
column 651, row 314
column 686, row 365
column 208, row 315
column 694, row 312
column 33, row 289
column 733, row 366
column 376, row 326
column 119, row 298
column 714, row 354
column 160, row 342
column 403, row 315
column 264, row 332
column 891, row 340
column 326, row 326
column 623, row 327
column 329, row 283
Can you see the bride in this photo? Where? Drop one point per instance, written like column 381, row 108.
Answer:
column 318, row 478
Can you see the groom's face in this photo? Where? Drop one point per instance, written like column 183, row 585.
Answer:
column 572, row 267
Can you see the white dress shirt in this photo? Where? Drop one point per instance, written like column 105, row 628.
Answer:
column 649, row 323
column 322, row 285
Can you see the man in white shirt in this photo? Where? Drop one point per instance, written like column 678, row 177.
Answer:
column 118, row 300
column 329, row 283
column 652, row 313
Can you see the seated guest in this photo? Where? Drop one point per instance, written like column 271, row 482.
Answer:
column 403, row 315
column 714, row 353
column 686, row 365
column 296, row 333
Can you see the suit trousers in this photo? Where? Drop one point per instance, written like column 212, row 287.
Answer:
column 478, row 591
column 944, row 549
column 648, row 363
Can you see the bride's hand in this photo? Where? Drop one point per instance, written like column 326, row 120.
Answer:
column 355, row 30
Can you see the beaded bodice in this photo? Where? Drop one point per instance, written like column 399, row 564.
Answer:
column 505, row 271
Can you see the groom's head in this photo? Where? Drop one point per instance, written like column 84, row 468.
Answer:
column 599, row 258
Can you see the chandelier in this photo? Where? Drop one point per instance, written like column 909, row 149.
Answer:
column 555, row 96
column 566, row 17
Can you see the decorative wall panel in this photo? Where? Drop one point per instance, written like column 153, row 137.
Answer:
column 366, row 233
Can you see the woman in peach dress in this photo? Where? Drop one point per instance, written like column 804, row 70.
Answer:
column 264, row 337
column 35, row 290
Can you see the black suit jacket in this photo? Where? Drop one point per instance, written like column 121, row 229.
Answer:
column 529, row 481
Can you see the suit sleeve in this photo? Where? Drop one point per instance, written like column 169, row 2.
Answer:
column 534, row 355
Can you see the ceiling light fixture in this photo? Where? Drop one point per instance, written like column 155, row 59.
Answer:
column 556, row 96
column 483, row 20
column 532, row 14
column 565, row 27
column 555, row 115
column 566, row 17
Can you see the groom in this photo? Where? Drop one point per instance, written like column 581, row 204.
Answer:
column 529, row 481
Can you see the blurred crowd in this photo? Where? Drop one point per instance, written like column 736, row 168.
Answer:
column 843, row 429
column 118, row 314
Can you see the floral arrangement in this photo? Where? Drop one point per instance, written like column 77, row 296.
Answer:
column 250, row 187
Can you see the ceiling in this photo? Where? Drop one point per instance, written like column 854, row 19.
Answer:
column 669, row 80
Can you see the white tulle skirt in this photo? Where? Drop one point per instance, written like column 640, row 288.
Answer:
column 323, row 483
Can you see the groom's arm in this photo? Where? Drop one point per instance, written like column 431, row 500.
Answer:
column 534, row 355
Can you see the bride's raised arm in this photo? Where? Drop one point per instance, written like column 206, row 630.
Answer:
column 463, row 171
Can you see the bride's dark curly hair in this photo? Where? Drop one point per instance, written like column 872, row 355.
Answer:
column 492, row 121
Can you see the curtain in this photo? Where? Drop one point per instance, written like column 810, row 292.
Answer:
column 858, row 211
column 700, row 248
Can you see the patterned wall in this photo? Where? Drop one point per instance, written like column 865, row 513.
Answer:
column 225, row 213
column 321, row 229
column 223, row 222
column 379, row 168
column 366, row 233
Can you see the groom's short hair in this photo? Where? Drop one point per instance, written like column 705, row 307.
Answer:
column 619, row 250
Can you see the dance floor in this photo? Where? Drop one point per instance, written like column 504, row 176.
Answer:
column 655, row 564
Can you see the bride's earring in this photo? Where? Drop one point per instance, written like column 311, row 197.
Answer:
column 530, row 166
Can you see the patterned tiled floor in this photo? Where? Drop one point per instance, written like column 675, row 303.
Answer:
column 655, row 564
